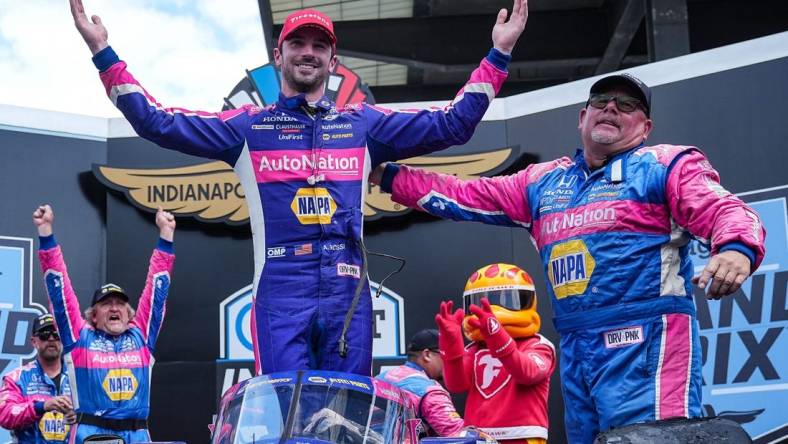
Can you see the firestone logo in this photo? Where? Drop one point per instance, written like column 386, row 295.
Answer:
column 310, row 15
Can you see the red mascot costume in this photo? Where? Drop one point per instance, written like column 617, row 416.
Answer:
column 506, row 368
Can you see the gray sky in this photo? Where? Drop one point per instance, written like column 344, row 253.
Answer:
column 186, row 53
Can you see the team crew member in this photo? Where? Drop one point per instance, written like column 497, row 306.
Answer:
column 303, row 165
column 35, row 400
column 109, row 351
column 506, row 369
column 612, row 226
column 420, row 377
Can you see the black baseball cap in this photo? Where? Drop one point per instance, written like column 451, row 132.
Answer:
column 641, row 90
column 424, row 339
column 107, row 290
column 43, row 322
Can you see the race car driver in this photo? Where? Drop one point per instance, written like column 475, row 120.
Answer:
column 109, row 351
column 303, row 165
column 612, row 226
column 35, row 400
column 506, row 370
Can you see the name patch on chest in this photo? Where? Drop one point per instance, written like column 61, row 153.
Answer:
column 623, row 337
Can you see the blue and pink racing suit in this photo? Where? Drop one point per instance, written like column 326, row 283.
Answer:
column 614, row 243
column 109, row 375
column 22, row 400
column 304, row 168
column 432, row 402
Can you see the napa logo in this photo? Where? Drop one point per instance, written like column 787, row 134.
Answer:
column 570, row 269
column 53, row 426
column 120, row 384
column 313, row 206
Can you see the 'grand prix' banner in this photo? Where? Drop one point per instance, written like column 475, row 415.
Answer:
column 744, row 338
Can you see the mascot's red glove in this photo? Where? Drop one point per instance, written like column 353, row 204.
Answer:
column 450, row 331
column 495, row 336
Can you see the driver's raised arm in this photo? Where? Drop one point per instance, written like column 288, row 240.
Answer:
column 215, row 135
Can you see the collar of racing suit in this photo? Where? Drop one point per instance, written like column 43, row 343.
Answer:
column 297, row 101
column 615, row 166
column 414, row 366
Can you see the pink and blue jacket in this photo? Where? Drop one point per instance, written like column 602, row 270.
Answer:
column 614, row 241
column 433, row 403
column 22, row 398
column 109, row 375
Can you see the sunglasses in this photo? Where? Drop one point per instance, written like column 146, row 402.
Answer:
column 45, row 335
column 512, row 299
column 625, row 104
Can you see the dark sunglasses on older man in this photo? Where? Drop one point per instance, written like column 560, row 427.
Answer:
column 46, row 334
column 625, row 104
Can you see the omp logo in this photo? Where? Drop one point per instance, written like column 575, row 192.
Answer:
column 274, row 252
column 570, row 268
column 53, row 426
column 317, row 379
column 211, row 192
column 313, row 206
column 120, row 384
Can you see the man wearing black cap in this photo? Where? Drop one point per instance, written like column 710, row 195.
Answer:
column 35, row 400
column 419, row 378
column 109, row 351
column 612, row 226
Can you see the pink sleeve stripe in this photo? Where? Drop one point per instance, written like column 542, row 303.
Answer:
column 85, row 358
column 161, row 264
column 63, row 300
column 625, row 216
column 673, row 370
column 118, row 82
column 488, row 74
column 487, row 196
column 700, row 204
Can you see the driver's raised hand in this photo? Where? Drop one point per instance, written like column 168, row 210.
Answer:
column 93, row 31
column 505, row 33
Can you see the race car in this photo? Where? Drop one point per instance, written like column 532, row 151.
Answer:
column 321, row 407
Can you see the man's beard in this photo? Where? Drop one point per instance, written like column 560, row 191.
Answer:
column 50, row 354
column 603, row 138
column 302, row 85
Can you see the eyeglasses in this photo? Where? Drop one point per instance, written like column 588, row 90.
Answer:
column 625, row 104
column 45, row 335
